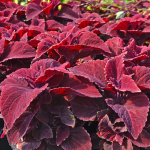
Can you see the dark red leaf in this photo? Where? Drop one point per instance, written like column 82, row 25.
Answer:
column 44, row 64
column 42, row 116
column 43, row 131
column 52, row 25
column 105, row 129
column 52, row 147
column 77, row 85
column 93, row 70
column 133, row 110
column 86, row 108
column 142, row 140
column 18, row 50
column 30, row 143
column 28, row 74
column 44, row 46
column 125, row 84
column 32, row 10
column 127, row 145
column 115, row 45
column 142, row 76
column 15, row 99
column 62, row 133
column 115, row 74
column 66, row 116
column 20, row 127
column 78, row 139
column 60, row 107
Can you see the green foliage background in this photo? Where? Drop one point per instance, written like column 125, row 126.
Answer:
column 24, row 2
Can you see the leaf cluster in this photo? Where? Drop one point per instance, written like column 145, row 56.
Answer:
column 75, row 76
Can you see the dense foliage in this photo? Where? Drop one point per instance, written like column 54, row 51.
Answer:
column 75, row 76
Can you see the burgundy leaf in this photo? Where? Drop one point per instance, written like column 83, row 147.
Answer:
column 126, row 84
column 142, row 76
column 78, row 139
column 66, row 116
column 15, row 99
column 18, row 50
column 32, row 10
column 142, row 140
column 115, row 68
column 52, row 147
column 52, row 25
column 62, row 133
column 132, row 111
column 105, row 129
column 44, row 64
column 44, row 46
column 93, row 70
column 60, row 107
column 68, row 13
column 2, row 44
column 86, row 108
column 42, row 116
column 30, row 143
column 115, row 45
column 28, row 74
column 19, row 127
column 43, row 131
column 77, row 85
column 127, row 145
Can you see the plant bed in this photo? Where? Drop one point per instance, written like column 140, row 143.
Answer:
column 75, row 76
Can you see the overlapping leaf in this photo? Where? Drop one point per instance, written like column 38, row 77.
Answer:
column 78, row 139
column 133, row 110
column 86, row 108
column 15, row 99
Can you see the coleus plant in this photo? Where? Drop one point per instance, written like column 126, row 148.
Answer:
column 73, row 80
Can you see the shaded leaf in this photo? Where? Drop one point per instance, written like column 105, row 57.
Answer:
column 133, row 110
column 78, row 139
column 15, row 99
column 43, row 131
column 86, row 108
column 62, row 133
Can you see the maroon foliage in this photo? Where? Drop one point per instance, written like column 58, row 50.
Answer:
column 75, row 76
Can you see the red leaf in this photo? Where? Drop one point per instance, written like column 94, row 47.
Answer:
column 62, row 133
column 142, row 140
column 18, row 50
column 15, row 99
column 20, row 127
column 93, row 70
column 142, row 76
column 115, row 74
column 66, row 116
column 29, row 74
column 43, row 131
column 105, row 129
column 30, row 143
column 133, row 110
column 44, row 46
column 126, row 84
column 42, row 116
column 86, row 108
column 32, row 10
column 78, row 139
column 52, row 25
column 44, row 64
column 115, row 45
column 77, row 85
column 115, row 68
